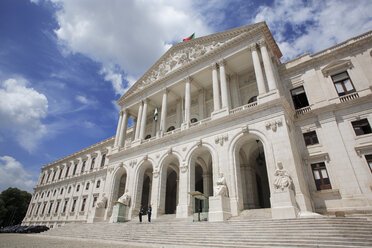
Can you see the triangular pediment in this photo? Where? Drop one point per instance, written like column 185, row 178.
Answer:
column 336, row 66
column 183, row 54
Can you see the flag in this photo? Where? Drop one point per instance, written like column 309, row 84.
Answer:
column 156, row 114
column 190, row 37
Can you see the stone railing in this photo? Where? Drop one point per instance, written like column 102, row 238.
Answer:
column 241, row 108
column 349, row 97
column 172, row 132
column 200, row 122
column 302, row 111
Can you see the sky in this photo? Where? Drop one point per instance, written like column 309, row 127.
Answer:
column 65, row 63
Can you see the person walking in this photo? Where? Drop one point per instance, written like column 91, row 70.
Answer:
column 140, row 214
column 149, row 213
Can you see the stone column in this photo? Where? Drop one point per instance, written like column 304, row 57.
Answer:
column 134, row 128
column 163, row 120
column 224, row 88
column 184, row 204
column 139, row 118
column 268, row 66
column 178, row 113
column 123, row 128
column 187, row 101
column 118, row 129
column 216, row 88
column 143, row 120
column 258, row 71
column 201, row 103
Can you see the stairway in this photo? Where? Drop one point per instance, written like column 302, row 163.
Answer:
column 319, row 232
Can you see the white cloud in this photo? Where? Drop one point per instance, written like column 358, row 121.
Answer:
column 13, row 174
column 21, row 111
column 310, row 26
column 129, row 34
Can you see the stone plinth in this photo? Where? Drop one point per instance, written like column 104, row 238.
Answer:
column 219, row 208
column 98, row 215
column 284, row 204
column 119, row 213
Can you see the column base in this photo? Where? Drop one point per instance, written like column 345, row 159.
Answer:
column 98, row 215
column 268, row 96
column 220, row 113
column 284, row 205
column 119, row 213
column 185, row 125
column 219, row 208
column 136, row 142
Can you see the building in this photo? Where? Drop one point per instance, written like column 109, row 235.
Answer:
column 221, row 115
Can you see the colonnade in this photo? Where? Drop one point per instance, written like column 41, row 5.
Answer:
column 221, row 92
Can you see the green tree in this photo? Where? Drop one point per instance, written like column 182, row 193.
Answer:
column 13, row 206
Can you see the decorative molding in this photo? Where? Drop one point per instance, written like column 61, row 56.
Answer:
column 363, row 148
column 274, row 124
column 245, row 129
column 146, row 157
column 132, row 163
column 156, row 174
column 184, row 167
column 324, row 156
column 199, row 143
column 220, row 139
column 337, row 66
column 170, row 151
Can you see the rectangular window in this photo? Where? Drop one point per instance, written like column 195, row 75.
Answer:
column 73, row 206
column 299, row 98
column 75, row 168
column 103, row 160
column 83, row 204
column 321, row 176
column 50, row 207
column 361, row 127
column 369, row 161
column 54, row 175
column 60, row 174
column 65, row 206
column 57, row 206
column 83, row 167
column 68, row 168
column 343, row 83
column 311, row 138
column 92, row 164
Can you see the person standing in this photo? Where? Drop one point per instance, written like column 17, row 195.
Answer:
column 140, row 214
column 149, row 213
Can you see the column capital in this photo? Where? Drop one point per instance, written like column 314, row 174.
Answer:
column 188, row 79
column 214, row 65
column 262, row 43
column 222, row 62
column 165, row 90
column 146, row 100
column 253, row 47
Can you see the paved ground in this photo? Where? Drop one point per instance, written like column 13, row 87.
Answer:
column 38, row 241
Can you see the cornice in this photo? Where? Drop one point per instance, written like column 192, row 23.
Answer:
column 237, row 35
column 101, row 145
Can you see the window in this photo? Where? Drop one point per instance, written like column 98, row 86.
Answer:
column 54, row 175
column 68, row 168
column 54, row 193
column 92, row 164
column 69, row 190
column 103, row 160
column 321, row 176
column 94, row 201
column 60, row 174
column 369, row 161
column 252, row 99
column 50, row 207
column 73, row 206
column 42, row 179
column 98, row 184
column 65, row 206
column 83, row 204
column 78, row 188
column 171, row 128
column 75, row 168
column 148, row 136
column 48, row 193
column 57, row 206
column 361, row 127
column 87, row 186
column 61, row 191
column 311, row 138
column 42, row 195
column 47, row 178
column 299, row 98
column 343, row 83
column 83, row 167
column 42, row 212
column 38, row 207
column 193, row 120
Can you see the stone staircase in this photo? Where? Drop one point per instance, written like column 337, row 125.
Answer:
column 319, row 232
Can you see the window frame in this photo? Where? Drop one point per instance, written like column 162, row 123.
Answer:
column 321, row 167
column 293, row 97
column 343, row 84
column 311, row 138
column 368, row 158
column 353, row 124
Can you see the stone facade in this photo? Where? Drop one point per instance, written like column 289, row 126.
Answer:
column 235, row 124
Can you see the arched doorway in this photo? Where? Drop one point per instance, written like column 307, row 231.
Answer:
column 144, row 186
column 169, row 185
column 120, row 182
column 252, row 170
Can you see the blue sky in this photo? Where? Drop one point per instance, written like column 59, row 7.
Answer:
column 64, row 63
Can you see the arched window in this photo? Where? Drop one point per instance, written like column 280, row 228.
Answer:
column 69, row 190
column 48, row 193
column 54, row 193
column 252, row 99
column 83, row 167
column 148, row 136
column 42, row 195
column 42, row 179
column 92, row 164
column 103, row 160
column 193, row 120
column 98, row 184
column 68, row 168
column 75, row 168
column 54, row 175
column 87, row 186
column 78, row 188
column 171, row 128
column 61, row 191
column 60, row 174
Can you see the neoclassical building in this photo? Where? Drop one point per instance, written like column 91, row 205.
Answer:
column 221, row 126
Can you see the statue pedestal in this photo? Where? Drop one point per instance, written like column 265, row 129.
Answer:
column 219, row 208
column 283, row 204
column 97, row 215
column 119, row 213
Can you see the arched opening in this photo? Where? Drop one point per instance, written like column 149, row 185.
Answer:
column 252, row 99
column 171, row 128
column 254, row 181
column 169, row 185
column 144, row 187
column 119, row 184
column 145, row 198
